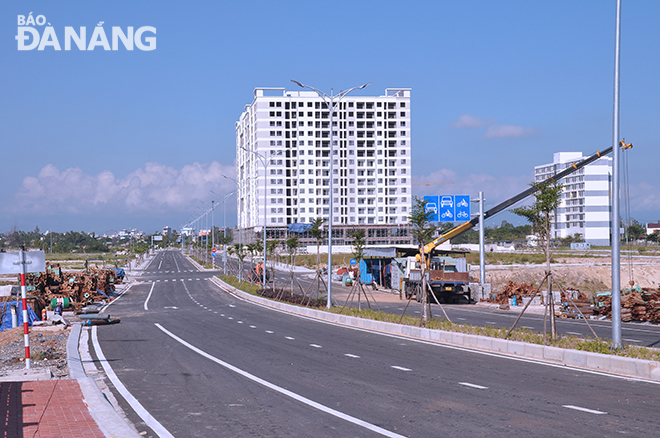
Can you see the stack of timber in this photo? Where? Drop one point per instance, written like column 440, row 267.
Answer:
column 574, row 303
column 517, row 290
column 640, row 304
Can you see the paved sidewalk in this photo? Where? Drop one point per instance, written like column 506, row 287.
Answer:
column 45, row 409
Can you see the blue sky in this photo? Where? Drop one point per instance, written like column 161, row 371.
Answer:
column 104, row 140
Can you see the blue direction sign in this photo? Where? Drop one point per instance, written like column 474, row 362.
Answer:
column 462, row 207
column 431, row 206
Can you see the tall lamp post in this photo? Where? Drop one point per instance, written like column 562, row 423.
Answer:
column 330, row 102
column 224, row 225
column 264, row 161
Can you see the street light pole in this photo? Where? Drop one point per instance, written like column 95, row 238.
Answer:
column 212, row 234
column 264, row 160
column 330, row 104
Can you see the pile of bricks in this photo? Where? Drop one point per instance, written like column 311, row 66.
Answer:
column 517, row 290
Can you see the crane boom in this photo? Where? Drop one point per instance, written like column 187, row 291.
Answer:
column 460, row 229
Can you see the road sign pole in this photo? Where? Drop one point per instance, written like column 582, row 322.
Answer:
column 26, row 336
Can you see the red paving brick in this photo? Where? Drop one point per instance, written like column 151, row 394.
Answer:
column 45, row 409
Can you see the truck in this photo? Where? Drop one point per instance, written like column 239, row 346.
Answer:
column 447, row 276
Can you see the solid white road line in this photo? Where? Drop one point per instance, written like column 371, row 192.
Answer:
column 352, row 355
column 589, row 411
column 283, row 391
column 135, row 404
column 400, row 368
column 149, row 296
column 472, row 385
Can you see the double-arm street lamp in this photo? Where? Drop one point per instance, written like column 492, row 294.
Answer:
column 330, row 102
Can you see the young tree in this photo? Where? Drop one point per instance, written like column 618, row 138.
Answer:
column 317, row 233
column 540, row 215
column 422, row 232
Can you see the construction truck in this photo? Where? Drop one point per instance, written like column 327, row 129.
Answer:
column 447, row 274
column 449, row 282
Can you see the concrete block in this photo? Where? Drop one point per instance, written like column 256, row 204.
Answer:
column 470, row 340
column 415, row 331
column 598, row 361
column 553, row 353
column 444, row 336
column 534, row 350
column 625, row 365
column 643, row 368
column 484, row 342
column 654, row 371
column 515, row 347
column 458, row 338
column 501, row 345
column 575, row 358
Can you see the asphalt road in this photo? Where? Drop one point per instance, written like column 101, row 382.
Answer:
column 205, row 363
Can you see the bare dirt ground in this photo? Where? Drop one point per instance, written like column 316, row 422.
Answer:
column 585, row 274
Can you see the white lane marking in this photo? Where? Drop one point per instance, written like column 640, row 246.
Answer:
column 450, row 347
column 148, row 296
column 589, row 411
column 253, row 326
column 574, row 333
column 472, row 385
column 289, row 338
column 631, row 340
column 157, row 281
column 352, row 355
column 170, row 307
column 270, row 331
column 222, row 314
column 190, row 279
column 461, row 319
column 400, row 368
column 230, row 317
column 491, row 322
column 137, row 407
column 240, row 322
column 528, row 327
column 161, row 262
column 231, row 305
column 286, row 392
column 177, row 265
column 315, row 345
column 166, row 281
column 198, row 278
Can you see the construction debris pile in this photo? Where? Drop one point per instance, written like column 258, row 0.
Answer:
column 514, row 290
column 639, row 304
column 574, row 303
column 71, row 289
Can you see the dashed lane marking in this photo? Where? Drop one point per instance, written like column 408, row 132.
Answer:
column 400, row 368
column 355, row 356
column 253, row 326
column 240, row 322
column 231, row 305
column 632, row 340
column 472, row 385
column 286, row 392
column 581, row 409
column 491, row 322
column 315, row 345
column 289, row 338
column 270, row 331
column 574, row 333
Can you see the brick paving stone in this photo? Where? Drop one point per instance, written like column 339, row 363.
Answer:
column 45, row 409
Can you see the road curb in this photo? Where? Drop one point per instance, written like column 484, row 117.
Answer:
column 109, row 421
column 624, row 366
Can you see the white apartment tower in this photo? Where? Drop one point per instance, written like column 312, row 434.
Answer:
column 585, row 205
column 291, row 131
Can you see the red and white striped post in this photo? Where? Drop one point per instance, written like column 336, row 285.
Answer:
column 26, row 337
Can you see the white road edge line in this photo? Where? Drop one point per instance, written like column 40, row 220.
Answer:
column 146, row 307
column 589, row 411
column 283, row 391
column 472, row 385
column 135, row 404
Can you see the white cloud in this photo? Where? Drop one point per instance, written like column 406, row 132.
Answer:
column 466, row 121
column 507, row 131
column 153, row 189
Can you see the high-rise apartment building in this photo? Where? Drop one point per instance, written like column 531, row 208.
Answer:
column 585, row 204
column 289, row 132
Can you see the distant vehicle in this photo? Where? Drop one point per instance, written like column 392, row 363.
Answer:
column 432, row 207
column 446, row 201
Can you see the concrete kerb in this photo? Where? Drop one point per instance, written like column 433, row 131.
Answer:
column 109, row 421
column 629, row 367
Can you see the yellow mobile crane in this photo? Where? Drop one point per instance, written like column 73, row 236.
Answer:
column 437, row 277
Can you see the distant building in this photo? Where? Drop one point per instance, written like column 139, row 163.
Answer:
column 652, row 228
column 371, row 163
column 585, row 204
column 166, row 231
